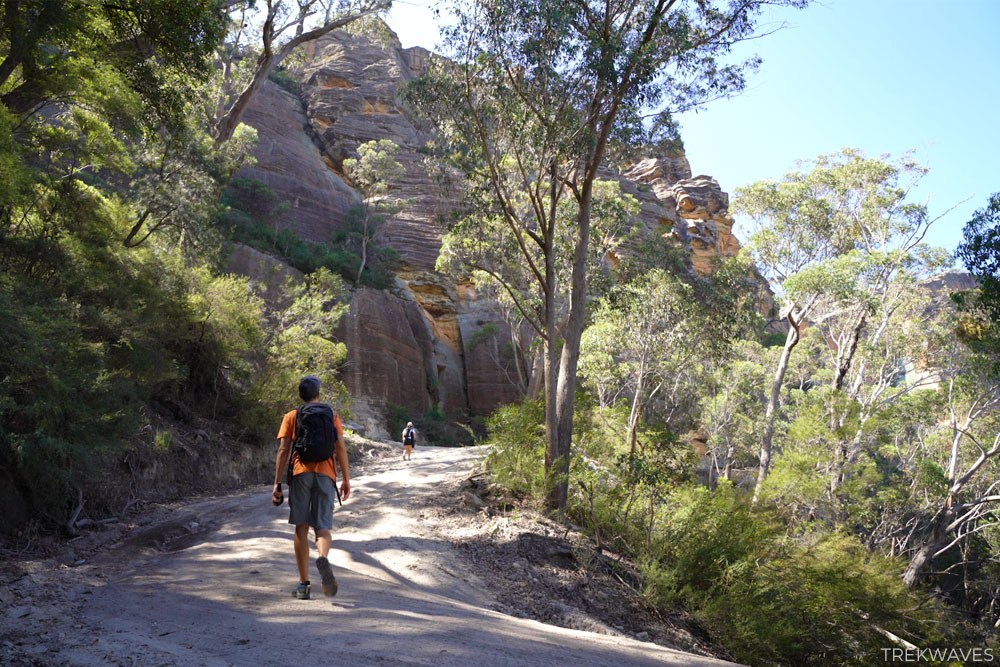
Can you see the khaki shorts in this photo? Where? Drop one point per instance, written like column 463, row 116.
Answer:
column 310, row 500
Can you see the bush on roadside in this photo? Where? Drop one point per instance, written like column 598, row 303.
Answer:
column 770, row 589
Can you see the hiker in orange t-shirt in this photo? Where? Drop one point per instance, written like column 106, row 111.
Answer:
column 310, row 437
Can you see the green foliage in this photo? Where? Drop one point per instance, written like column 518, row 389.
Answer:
column 518, row 447
column 372, row 172
column 161, row 440
column 74, row 49
column 770, row 583
column 374, row 28
column 873, row 422
column 92, row 332
column 252, row 213
column 773, row 339
column 375, row 168
column 980, row 252
column 299, row 342
column 818, row 599
column 485, row 333
column 396, row 418
column 482, row 245
column 543, row 97
column 80, row 359
column 114, row 313
column 281, row 76
column 840, row 230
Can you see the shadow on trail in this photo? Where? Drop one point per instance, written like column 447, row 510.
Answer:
column 213, row 606
column 226, row 599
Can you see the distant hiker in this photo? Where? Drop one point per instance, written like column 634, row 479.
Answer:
column 409, row 440
column 313, row 436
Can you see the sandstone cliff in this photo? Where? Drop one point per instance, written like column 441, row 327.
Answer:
column 410, row 346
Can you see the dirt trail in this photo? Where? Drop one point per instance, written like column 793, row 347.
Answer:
column 220, row 594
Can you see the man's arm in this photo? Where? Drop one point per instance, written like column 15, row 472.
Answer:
column 280, row 465
column 345, row 482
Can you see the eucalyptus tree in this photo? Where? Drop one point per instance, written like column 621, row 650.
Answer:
column 844, row 250
column 536, row 95
column 874, row 216
column 372, row 173
column 980, row 252
column 273, row 32
column 970, row 490
column 482, row 246
column 793, row 237
column 654, row 330
column 732, row 412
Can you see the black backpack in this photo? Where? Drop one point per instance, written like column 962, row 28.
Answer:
column 315, row 433
column 410, row 438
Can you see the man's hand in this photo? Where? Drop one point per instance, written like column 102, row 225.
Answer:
column 277, row 497
column 345, row 489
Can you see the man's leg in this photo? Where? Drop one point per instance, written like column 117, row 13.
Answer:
column 322, row 522
column 302, row 551
column 299, row 491
column 323, row 541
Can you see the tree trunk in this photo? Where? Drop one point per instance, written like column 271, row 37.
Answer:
column 565, row 391
column 520, row 361
column 727, row 471
column 550, row 367
column 537, row 377
column 20, row 46
column 364, row 247
column 269, row 59
column 925, row 554
column 633, row 417
column 791, row 340
column 846, row 354
column 225, row 128
column 948, row 520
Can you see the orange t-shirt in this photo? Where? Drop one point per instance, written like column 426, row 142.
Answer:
column 328, row 467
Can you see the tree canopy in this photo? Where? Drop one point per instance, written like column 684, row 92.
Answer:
column 536, row 97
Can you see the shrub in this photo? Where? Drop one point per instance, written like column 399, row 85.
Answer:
column 518, row 447
column 770, row 589
column 811, row 597
column 281, row 76
column 252, row 215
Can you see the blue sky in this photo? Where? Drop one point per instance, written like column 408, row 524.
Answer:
column 884, row 76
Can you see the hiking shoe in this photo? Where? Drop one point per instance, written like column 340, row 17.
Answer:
column 301, row 592
column 329, row 581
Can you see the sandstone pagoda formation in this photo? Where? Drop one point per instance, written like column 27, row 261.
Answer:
column 410, row 346
column 692, row 211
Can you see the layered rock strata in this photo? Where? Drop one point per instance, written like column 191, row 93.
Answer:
column 412, row 346
column 693, row 211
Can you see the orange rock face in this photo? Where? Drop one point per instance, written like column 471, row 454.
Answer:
column 412, row 346
column 693, row 212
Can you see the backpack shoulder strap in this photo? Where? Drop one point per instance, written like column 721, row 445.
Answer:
column 292, row 454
